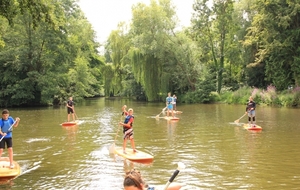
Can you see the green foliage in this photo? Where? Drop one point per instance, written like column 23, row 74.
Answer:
column 269, row 96
column 42, row 64
column 275, row 32
column 150, row 60
column 204, row 92
column 215, row 35
column 40, row 10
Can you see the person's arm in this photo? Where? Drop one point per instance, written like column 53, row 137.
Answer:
column 17, row 122
column 1, row 133
column 127, row 125
column 68, row 104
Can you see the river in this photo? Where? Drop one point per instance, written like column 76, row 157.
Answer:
column 217, row 153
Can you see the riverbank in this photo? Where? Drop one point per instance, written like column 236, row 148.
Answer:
column 269, row 96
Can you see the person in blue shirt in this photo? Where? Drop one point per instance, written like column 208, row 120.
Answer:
column 169, row 104
column 6, row 125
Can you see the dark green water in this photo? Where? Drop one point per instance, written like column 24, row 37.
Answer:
column 217, row 153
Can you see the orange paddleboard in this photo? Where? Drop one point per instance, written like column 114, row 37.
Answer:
column 71, row 123
column 252, row 127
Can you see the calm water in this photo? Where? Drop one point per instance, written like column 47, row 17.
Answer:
column 217, row 153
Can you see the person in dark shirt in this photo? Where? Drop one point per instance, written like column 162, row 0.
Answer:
column 70, row 108
column 250, row 109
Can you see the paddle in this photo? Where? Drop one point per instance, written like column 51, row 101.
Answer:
column 180, row 167
column 9, row 129
column 112, row 147
column 238, row 120
column 161, row 112
column 75, row 113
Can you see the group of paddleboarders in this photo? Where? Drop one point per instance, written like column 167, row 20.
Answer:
column 171, row 104
column 133, row 179
column 129, row 118
column 6, row 125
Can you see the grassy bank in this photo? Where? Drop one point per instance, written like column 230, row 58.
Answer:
column 269, row 96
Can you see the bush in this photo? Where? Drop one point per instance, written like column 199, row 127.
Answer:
column 270, row 96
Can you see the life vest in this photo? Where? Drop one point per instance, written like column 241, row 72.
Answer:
column 128, row 117
column 250, row 105
column 70, row 103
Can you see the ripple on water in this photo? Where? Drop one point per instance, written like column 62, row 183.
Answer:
column 31, row 140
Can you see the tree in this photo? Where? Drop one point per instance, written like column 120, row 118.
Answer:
column 43, row 65
column 212, row 26
column 40, row 10
column 275, row 32
column 151, row 26
column 117, row 48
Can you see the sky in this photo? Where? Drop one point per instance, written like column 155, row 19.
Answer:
column 104, row 15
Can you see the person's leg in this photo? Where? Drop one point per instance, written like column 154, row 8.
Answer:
column 68, row 117
column 10, row 151
column 73, row 115
column 10, row 155
column 253, row 117
column 124, row 145
column 2, row 146
column 1, row 151
column 132, row 144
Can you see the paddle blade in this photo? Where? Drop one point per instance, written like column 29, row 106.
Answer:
column 181, row 166
column 112, row 148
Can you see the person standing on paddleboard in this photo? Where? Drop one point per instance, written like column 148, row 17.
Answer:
column 6, row 124
column 128, row 130
column 174, row 102
column 70, row 108
column 169, row 104
column 250, row 109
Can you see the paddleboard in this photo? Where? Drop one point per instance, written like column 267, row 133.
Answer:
column 138, row 156
column 176, row 112
column 171, row 118
column 6, row 171
column 71, row 123
column 252, row 127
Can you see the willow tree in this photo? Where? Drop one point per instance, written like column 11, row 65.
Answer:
column 150, row 30
column 275, row 32
column 212, row 22
column 117, row 48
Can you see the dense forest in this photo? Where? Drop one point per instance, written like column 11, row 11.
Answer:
column 233, row 49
